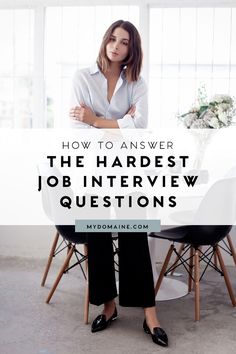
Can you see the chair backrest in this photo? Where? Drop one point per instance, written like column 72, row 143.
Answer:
column 50, row 204
column 51, row 195
column 45, row 171
column 231, row 173
column 215, row 215
column 218, row 207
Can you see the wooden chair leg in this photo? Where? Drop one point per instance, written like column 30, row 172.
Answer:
column 163, row 269
column 176, row 261
column 68, row 250
column 49, row 261
column 215, row 260
column 190, row 270
column 231, row 246
column 86, row 304
column 86, row 299
column 226, row 276
column 63, row 268
column 197, row 284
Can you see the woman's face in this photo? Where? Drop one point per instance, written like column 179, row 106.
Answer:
column 117, row 48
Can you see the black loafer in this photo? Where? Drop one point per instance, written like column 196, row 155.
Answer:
column 159, row 336
column 101, row 322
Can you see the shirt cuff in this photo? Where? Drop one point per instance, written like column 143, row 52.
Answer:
column 127, row 122
column 77, row 124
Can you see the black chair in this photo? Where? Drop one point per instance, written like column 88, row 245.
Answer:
column 59, row 243
column 194, row 237
column 74, row 239
column 217, row 205
column 70, row 240
column 226, row 245
column 187, row 216
column 66, row 238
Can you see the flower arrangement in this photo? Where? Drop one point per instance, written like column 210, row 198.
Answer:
column 216, row 113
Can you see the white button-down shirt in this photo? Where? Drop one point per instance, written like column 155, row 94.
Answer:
column 90, row 87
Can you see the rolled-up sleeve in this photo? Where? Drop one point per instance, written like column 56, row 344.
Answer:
column 78, row 95
column 140, row 100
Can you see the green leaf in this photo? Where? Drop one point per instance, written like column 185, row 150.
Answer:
column 202, row 109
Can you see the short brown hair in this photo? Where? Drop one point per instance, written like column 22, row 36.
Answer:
column 133, row 61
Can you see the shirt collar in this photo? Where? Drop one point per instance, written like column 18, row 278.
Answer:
column 94, row 69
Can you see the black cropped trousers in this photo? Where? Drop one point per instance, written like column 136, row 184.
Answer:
column 136, row 285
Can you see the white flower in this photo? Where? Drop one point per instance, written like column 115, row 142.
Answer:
column 207, row 116
column 223, row 117
column 189, row 119
column 217, row 113
column 214, row 123
column 224, row 107
column 222, row 99
column 199, row 124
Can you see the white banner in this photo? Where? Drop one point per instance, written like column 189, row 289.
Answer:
column 179, row 177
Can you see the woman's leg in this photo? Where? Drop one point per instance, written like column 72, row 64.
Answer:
column 101, row 272
column 135, row 271
column 136, row 277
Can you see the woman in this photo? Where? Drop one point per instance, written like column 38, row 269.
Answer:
column 112, row 94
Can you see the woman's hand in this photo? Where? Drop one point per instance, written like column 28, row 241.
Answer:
column 131, row 111
column 83, row 114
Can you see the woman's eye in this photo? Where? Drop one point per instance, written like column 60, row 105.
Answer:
column 112, row 39
column 125, row 43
